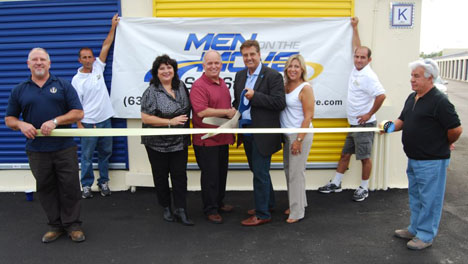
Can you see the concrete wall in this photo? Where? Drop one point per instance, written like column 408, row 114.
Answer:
column 454, row 66
column 392, row 49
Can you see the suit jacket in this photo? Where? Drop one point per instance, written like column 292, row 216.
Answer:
column 266, row 105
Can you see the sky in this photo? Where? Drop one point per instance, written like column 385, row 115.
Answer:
column 444, row 25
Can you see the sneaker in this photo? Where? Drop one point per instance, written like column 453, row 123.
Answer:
column 104, row 187
column 403, row 233
column 360, row 194
column 417, row 244
column 87, row 192
column 329, row 188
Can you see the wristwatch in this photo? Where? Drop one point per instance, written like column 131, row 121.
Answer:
column 299, row 139
column 55, row 121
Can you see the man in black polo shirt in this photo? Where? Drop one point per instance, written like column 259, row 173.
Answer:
column 46, row 102
column 430, row 126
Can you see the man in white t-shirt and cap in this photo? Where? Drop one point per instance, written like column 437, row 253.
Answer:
column 365, row 96
column 92, row 91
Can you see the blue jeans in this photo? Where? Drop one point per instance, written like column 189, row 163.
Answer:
column 426, row 189
column 263, row 189
column 103, row 145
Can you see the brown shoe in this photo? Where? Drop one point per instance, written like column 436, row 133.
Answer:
column 77, row 236
column 255, row 221
column 215, row 218
column 417, row 244
column 252, row 211
column 50, row 236
column 227, row 208
column 403, row 233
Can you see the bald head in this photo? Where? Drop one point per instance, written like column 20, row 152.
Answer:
column 212, row 64
column 211, row 54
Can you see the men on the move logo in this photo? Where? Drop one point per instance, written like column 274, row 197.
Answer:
column 228, row 44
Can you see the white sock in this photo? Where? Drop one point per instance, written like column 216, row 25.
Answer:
column 337, row 179
column 365, row 184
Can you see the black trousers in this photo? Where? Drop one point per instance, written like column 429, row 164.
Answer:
column 58, row 186
column 175, row 164
column 213, row 163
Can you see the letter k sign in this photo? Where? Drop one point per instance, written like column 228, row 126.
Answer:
column 402, row 15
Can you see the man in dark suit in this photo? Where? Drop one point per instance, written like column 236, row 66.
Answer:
column 259, row 96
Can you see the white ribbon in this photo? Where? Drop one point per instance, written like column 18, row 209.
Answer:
column 114, row 132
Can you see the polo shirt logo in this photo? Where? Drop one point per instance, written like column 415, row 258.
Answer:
column 98, row 76
column 53, row 90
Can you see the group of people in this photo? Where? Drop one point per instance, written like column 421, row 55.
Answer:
column 262, row 99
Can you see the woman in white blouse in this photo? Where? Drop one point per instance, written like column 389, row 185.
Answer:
column 298, row 113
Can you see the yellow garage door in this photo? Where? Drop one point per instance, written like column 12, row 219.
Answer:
column 326, row 148
column 255, row 8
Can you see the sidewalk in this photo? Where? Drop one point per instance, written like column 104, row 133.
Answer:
column 128, row 228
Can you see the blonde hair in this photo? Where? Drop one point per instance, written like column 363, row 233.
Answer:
column 302, row 63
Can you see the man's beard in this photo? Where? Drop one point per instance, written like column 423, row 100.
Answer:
column 40, row 72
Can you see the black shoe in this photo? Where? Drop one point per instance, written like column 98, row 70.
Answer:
column 181, row 216
column 167, row 215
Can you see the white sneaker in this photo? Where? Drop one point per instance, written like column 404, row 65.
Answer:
column 329, row 188
column 360, row 194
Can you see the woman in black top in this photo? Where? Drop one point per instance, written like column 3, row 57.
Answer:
column 166, row 104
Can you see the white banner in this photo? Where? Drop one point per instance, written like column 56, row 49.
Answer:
column 325, row 44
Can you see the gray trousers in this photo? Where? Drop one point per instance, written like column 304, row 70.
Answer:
column 294, row 169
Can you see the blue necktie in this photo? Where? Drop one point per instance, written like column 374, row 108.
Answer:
column 242, row 108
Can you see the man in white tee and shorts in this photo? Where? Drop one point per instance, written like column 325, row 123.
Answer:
column 365, row 96
column 92, row 91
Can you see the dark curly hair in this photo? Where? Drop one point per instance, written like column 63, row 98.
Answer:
column 164, row 59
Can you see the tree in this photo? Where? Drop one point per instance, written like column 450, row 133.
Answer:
column 430, row 55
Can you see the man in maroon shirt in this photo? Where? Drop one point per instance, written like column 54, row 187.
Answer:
column 210, row 97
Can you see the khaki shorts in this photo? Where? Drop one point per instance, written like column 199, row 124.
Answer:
column 359, row 143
